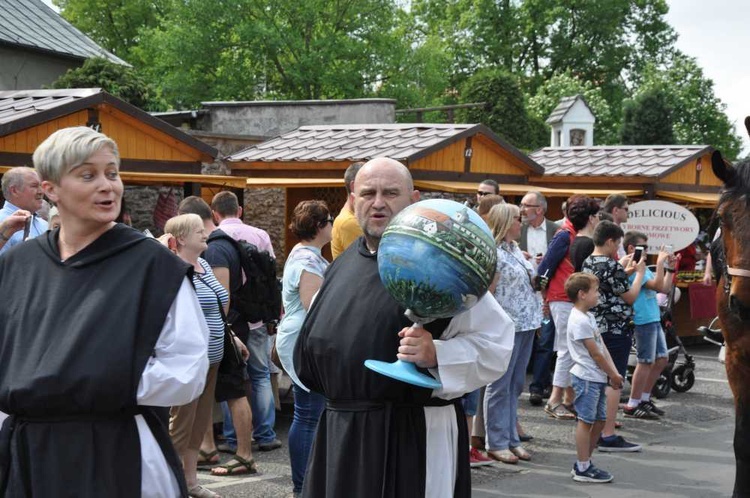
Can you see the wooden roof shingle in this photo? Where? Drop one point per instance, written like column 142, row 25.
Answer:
column 362, row 142
column 617, row 160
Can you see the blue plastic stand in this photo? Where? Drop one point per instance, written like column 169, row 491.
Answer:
column 403, row 370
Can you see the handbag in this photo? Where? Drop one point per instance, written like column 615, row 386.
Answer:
column 232, row 357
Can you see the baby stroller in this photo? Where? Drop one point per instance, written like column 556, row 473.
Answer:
column 679, row 376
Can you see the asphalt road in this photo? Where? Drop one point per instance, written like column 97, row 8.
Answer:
column 687, row 454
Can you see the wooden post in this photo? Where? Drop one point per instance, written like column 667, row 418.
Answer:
column 191, row 188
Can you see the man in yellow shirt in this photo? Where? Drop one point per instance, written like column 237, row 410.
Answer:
column 346, row 228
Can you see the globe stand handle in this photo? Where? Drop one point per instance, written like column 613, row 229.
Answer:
column 403, row 370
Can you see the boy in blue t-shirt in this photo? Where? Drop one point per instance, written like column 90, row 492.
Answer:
column 650, row 341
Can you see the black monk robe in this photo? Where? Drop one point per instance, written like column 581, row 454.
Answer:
column 379, row 437
column 75, row 337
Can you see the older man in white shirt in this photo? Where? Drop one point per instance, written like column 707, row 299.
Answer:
column 536, row 234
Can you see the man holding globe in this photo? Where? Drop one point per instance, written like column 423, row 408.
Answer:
column 379, row 436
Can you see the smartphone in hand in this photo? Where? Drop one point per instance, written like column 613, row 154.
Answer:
column 638, row 254
column 27, row 228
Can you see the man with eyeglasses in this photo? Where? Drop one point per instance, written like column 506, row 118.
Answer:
column 617, row 206
column 536, row 233
column 487, row 187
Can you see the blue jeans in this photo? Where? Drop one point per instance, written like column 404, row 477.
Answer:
column 650, row 342
column 307, row 409
column 470, row 402
column 501, row 397
column 544, row 346
column 591, row 400
column 261, row 397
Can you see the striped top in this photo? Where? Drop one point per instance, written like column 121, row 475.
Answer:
column 207, row 288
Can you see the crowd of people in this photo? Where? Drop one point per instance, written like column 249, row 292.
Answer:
column 135, row 340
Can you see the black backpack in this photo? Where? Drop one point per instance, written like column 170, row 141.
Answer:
column 259, row 298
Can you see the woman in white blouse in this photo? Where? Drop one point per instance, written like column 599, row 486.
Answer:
column 517, row 297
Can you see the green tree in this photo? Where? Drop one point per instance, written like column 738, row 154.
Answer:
column 121, row 81
column 647, row 119
column 244, row 49
column 504, row 112
column 699, row 115
column 564, row 84
column 114, row 25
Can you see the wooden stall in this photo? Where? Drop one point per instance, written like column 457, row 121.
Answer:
column 309, row 163
column 152, row 152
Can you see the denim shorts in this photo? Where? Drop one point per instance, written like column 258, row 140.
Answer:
column 470, row 402
column 591, row 400
column 619, row 349
column 650, row 342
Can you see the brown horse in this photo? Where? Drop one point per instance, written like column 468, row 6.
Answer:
column 733, row 303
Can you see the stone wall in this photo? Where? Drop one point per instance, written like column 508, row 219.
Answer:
column 141, row 202
column 274, row 118
column 266, row 208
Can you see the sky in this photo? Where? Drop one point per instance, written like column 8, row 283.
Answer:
column 716, row 33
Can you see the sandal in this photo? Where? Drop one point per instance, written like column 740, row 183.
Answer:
column 201, row 492
column 521, row 453
column 239, row 467
column 571, row 409
column 208, row 458
column 559, row 412
column 504, row 456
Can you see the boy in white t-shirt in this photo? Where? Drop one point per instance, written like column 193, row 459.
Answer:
column 589, row 374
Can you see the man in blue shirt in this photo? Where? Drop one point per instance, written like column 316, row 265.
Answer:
column 22, row 190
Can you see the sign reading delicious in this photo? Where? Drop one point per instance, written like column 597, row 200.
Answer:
column 665, row 223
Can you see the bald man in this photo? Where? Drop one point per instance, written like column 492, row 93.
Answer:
column 22, row 190
column 379, row 437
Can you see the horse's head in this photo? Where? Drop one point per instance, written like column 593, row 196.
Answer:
column 734, row 218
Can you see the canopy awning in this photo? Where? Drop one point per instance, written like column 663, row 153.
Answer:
column 177, row 179
column 282, row 182
column 133, row 178
column 699, row 199
column 511, row 189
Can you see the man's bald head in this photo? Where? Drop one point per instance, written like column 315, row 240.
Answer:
column 388, row 166
column 382, row 188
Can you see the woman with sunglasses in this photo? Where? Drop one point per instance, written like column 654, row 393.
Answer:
column 516, row 295
column 312, row 224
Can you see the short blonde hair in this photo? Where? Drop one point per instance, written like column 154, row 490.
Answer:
column 69, row 148
column 501, row 219
column 181, row 226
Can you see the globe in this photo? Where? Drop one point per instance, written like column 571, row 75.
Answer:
column 437, row 258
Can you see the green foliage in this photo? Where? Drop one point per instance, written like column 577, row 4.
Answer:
column 647, row 119
column 121, row 81
column 270, row 49
column 564, row 84
column 114, row 25
column 698, row 115
column 504, row 112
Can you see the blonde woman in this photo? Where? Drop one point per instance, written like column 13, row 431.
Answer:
column 115, row 331
column 517, row 297
column 188, row 423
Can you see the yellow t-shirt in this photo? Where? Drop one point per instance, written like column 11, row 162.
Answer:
column 346, row 230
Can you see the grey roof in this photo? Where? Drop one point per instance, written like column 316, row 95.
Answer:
column 34, row 25
column 403, row 142
column 634, row 160
column 21, row 109
column 563, row 107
